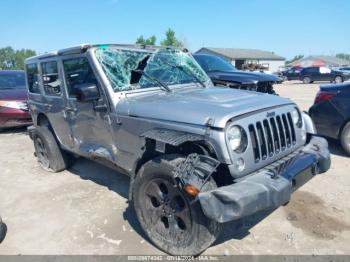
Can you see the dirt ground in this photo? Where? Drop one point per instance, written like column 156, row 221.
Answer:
column 84, row 210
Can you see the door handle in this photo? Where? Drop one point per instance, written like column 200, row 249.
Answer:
column 48, row 106
column 69, row 112
column 70, row 109
column 100, row 108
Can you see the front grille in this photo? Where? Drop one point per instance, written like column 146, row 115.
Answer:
column 272, row 136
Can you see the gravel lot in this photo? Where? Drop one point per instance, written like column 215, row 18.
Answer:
column 85, row 211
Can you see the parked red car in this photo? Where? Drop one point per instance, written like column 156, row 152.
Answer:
column 13, row 99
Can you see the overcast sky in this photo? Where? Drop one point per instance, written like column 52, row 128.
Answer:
column 288, row 27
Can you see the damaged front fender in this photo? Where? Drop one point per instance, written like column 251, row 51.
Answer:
column 196, row 170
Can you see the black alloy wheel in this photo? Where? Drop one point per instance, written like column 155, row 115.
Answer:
column 172, row 219
column 166, row 209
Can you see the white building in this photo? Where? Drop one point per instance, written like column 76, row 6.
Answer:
column 319, row 60
column 238, row 57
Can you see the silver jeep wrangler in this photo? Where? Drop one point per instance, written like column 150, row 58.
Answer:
column 197, row 155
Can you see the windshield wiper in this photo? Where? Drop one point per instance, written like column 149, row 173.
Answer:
column 160, row 83
column 187, row 73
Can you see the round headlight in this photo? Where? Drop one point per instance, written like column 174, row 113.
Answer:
column 296, row 117
column 234, row 136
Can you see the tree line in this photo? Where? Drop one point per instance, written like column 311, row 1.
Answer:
column 169, row 40
column 14, row 59
column 11, row 59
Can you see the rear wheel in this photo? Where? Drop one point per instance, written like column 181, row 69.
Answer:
column 167, row 214
column 338, row 79
column 47, row 151
column 345, row 138
column 306, row 80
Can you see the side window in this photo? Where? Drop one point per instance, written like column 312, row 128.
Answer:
column 311, row 70
column 52, row 83
column 33, row 78
column 325, row 70
column 315, row 70
column 77, row 72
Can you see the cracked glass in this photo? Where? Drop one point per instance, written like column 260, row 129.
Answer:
column 134, row 69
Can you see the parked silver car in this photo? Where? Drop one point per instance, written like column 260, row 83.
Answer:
column 197, row 155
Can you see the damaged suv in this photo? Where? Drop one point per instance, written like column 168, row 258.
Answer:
column 197, row 155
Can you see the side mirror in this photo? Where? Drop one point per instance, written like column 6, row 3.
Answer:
column 87, row 92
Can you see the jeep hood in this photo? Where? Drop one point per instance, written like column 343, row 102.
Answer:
column 197, row 105
column 243, row 77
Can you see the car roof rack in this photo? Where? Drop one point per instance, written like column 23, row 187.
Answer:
column 74, row 49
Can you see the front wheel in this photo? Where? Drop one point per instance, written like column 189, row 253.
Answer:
column 168, row 215
column 345, row 138
column 306, row 80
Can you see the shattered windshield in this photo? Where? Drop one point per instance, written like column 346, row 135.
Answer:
column 133, row 69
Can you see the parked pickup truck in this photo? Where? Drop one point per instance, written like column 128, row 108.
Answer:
column 197, row 155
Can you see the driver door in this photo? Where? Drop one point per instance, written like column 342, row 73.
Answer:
column 90, row 120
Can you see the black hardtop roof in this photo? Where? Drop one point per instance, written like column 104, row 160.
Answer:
column 84, row 47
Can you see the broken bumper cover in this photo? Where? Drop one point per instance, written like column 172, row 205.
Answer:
column 265, row 189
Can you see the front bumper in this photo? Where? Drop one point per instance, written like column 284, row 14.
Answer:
column 14, row 117
column 267, row 188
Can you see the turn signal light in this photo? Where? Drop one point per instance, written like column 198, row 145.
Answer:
column 324, row 96
column 193, row 191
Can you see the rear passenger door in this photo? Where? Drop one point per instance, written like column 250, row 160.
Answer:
column 315, row 74
column 90, row 121
column 53, row 102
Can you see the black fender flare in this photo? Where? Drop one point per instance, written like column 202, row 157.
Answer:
column 162, row 137
column 171, row 137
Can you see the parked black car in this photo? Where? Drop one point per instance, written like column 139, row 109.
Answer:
column 311, row 74
column 224, row 73
column 331, row 113
column 292, row 73
column 346, row 68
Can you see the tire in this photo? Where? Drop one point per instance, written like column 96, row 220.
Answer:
column 3, row 230
column 338, row 79
column 165, row 213
column 48, row 152
column 306, row 80
column 345, row 138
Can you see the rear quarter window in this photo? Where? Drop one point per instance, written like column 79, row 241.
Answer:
column 33, row 78
column 311, row 70
column 51, row 80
